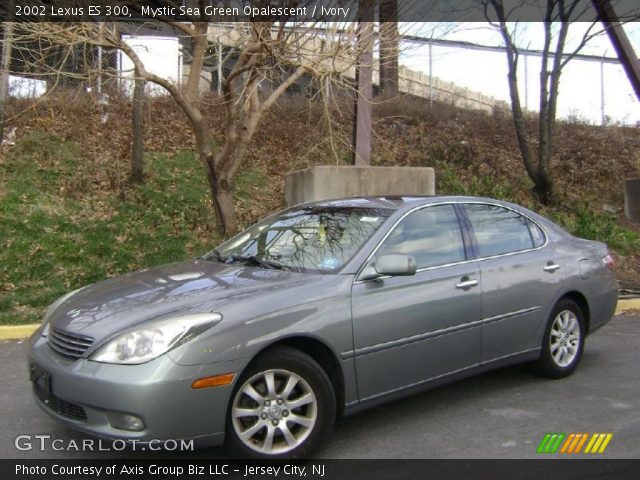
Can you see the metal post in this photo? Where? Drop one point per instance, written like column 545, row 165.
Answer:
column 526, row 82
column 430, row 74
column 602, row 114
column 180, row 66
column 219, row 67
column 99, row 86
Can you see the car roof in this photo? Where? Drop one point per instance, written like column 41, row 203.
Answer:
column 397, row 202
column 401, row 203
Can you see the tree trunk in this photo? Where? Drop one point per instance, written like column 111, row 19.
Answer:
column 5, row 67
column 137, row 154
column 225, row 209
column 543, row 186
column 537, row 167
column 221, row 196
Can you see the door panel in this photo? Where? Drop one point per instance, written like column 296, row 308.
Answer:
column 410, row 329
column 518, row 287
column 517, row 295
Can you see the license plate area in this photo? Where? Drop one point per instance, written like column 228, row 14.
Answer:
column 41, row 380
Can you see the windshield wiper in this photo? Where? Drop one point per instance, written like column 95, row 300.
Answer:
column 214, row 255
column 253, row 260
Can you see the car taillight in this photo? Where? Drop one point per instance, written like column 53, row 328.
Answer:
column 609, row 262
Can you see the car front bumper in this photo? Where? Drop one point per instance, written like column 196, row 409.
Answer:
column 83, row 395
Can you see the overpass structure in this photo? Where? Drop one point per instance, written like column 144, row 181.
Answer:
column 315, row 46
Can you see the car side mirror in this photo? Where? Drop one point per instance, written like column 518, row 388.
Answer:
column 392, row 265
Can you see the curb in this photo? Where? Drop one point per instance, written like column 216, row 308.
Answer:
column 627, row 305
column 17, row 332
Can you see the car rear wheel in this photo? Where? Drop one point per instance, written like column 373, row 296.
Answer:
column 563, row 340
column 283, row 406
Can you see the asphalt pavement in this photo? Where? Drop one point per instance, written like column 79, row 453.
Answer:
column 501, row 414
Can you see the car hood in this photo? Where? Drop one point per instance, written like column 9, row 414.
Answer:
column 194, row 286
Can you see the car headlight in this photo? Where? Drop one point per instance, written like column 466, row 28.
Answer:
column 152, row 339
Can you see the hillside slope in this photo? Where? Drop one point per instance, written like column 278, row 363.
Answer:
column 70, row 216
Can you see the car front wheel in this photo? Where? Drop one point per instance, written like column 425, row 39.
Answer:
column 283, row 406
column 563, row 340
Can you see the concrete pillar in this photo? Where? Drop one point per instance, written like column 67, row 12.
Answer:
column 632, row 199
column 362, row 128
column 389, row 47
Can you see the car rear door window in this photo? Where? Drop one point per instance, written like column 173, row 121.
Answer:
column 431, row 235
column 499, row 230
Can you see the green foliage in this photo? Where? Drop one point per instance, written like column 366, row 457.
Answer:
column 52, row 242
column 248, row 180
column 69, row 217
column 581, row 221
column 585, row 223
column 450, row 183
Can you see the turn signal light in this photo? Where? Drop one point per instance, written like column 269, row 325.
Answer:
column 215, row 381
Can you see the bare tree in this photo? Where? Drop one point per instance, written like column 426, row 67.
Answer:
column 271, row 57
column 557, row 18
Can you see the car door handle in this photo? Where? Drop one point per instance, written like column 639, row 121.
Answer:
column 466, row 284
column 551, row 267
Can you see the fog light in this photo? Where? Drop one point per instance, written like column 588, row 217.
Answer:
column 125, row 421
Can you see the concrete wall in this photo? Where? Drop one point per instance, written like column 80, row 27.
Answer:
column 418, row 84
column 327, row 182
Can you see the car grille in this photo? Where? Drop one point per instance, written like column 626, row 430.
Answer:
column 69, row 345
column 64, row 408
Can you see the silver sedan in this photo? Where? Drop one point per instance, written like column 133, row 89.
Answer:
column 319, row 311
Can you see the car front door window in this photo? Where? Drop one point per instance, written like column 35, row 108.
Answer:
column 431, row 236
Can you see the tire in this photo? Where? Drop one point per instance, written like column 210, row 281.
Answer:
column 283, row 406
column 563, row 341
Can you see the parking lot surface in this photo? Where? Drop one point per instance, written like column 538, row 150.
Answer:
column 501, row 414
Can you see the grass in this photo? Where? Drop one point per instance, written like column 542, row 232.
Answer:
column 69, row 218
column 58, row 231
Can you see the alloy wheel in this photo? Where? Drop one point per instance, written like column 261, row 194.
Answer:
column 564, row 338
column 274, row 412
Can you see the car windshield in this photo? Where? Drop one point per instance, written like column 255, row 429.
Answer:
column 306, row 239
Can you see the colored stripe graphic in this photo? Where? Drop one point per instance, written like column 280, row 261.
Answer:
column 573, row 443
column 598, row 443
column 551, row 442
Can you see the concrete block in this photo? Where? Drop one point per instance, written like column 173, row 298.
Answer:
column 632, row 199
column 328, row 182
